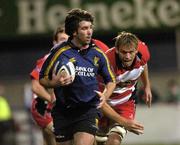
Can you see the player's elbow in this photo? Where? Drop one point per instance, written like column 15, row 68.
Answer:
column 43, row 82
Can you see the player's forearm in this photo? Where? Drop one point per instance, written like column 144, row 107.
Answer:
column 130, row 125
column 145, row 77
column 47, row 83
column 40, row 91
column 109, row 88
column 109, row 112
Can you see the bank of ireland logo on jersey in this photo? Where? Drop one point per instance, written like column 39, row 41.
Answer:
column 96, row 60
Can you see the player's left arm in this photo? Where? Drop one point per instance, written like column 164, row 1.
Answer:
column 147, row 86
column 131, row 125
column 42, row 92
column 108, row 77
column 109, row 87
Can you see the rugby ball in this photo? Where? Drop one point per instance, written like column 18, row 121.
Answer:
column 65, row 69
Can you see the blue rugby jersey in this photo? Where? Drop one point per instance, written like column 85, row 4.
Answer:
column 88, row 63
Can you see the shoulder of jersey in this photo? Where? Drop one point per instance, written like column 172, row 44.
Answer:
column 58, row 46
column 143, row 49
column 100, row 44
column 110, row 51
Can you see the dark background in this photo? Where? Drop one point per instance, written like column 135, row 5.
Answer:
column 18, row 55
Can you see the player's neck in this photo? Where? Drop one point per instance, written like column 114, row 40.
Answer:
column 81, row 46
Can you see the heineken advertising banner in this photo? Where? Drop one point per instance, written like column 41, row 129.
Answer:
column 41, row 17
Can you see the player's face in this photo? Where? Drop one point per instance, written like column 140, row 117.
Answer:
column 84, row 33
column 61, row 37
column 127, row 54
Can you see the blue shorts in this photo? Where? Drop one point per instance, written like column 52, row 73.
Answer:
column 77, row 120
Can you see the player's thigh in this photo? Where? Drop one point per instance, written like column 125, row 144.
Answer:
column 85, row 130
column 83, row 138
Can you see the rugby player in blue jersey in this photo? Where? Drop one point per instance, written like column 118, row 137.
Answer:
column 77, row 105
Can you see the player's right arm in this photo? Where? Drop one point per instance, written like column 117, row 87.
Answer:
column 129, row 124
column 50, row 83
column 45, row 76
column 48, row 78
column 56, row 81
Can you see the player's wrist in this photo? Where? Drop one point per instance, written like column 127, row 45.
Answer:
column 51, row 99
column 53, row 84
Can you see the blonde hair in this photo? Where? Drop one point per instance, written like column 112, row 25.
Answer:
column 126, row 39
column 59, row 29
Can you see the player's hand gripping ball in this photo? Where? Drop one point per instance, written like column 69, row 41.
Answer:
column 65, row 69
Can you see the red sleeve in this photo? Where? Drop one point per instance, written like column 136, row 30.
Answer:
column 35, row 72
column 101, row 45
column 143, row 49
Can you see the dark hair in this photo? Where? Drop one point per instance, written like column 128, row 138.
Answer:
column 60, row 29
column 126, row 38
column 74, row 17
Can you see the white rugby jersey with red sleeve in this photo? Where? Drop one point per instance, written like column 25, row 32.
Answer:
column 127, row 79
